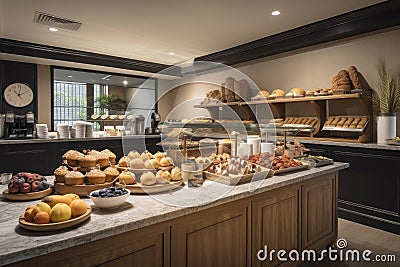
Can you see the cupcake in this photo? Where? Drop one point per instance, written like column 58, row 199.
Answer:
column 102, row 159
column 96, row 177
column 148, row 178
column 176, row 174
column 111, row 174
column 87, row 161
column 123, row 162
column 126, row 177
column 74, row 178
column 73, row 158
column 60, row 173
column 111, row 155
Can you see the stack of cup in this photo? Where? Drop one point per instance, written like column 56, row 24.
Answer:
column 255, row 140
column 80, row 129
column 63, row 130
column 89, row 129
column 42, row 131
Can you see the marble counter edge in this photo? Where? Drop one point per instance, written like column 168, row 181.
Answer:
column 238, row 193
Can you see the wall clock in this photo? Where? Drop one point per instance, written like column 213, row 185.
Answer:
column 18, row 95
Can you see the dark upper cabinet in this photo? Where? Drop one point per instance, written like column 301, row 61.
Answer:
column 18, row 72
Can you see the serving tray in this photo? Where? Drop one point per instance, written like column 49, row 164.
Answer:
column 81, row 190
column 237, row 179
column 27, row 196
column 138, row 188
column 54, row 226
column 292, row 169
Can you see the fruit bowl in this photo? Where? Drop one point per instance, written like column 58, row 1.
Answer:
column 109, row 198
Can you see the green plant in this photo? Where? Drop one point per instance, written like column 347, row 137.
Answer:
column 110, row 102
column 386, row 98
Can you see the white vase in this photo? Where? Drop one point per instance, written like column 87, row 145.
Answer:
column 386, row 127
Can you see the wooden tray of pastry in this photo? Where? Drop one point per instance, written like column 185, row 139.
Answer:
column 138, row 188
column 292, row 169
column 355, row 124
column 237, row 179
column 81, row 190
column 27, row 196
column 54, row 226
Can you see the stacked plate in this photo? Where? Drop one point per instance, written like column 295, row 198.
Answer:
column 63, row 131
column 42, row 131
column 89, row 129
column 80, row 129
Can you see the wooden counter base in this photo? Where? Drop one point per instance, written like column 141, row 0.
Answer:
column 299, row 216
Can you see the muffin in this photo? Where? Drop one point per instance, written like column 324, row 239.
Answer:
column 93, row 152
column 148, row 178
column 126, row 177
column 163, row 177
column 69, row 152
column 123, row 162
column 111, row 174
column 60, row 173
column 87, row 161
column 111, row 156
column 102, row 159
column 73, row 158
column 74, row 178
column 133, row 154
column 96, row 177
column 176, row 174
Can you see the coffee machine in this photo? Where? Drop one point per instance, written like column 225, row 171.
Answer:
column 155, row 120
column 19, row 126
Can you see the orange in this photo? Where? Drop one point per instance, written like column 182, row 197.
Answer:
column 42, row 217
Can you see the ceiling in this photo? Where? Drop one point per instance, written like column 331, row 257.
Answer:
column 149, row 30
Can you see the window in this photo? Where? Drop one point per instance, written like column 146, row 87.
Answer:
column 77, row 94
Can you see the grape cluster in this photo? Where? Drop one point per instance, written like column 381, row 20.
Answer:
column 110, row 192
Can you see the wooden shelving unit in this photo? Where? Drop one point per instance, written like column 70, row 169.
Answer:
column 245, row 110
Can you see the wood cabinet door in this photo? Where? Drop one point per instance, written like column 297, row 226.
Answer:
column 215, row 237
column 319, row 209
column 275, row 223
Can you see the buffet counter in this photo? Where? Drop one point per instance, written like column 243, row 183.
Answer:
column 148, row 230
column 369, row 191
column 44, row 155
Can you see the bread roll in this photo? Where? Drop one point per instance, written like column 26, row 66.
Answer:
column 278, row 93
column 148, row 178
column 263, row 94
column 298, row 92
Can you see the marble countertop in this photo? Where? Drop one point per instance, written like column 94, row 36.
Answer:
column 349, row 144
column 140, row 211
column 57, row 140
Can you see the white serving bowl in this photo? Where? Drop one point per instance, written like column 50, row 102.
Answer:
column 109, row 202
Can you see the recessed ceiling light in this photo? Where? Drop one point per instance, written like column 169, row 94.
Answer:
column 275, row 13
column 171, row 53
column 52, row 29
column 69, row 76
column 125, row 82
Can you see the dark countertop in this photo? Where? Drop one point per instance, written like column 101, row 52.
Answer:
column 349, row 144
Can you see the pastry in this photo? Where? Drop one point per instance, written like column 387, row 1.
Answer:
column 133, row 154
column 348, row 122
column 159, row 155
column 262, row 94
column 136, row 163
column 60, row 173
column 308, row 121
column 277, row 93
column 289, row 120
column 87, row 161
column 155, row 163
column 69, row 152
column 123, row 162
column 126, row 177
column 167, row 161
column 176, row 174
column 313, row 123
column 289, row 95
column 111, row 156
column 93, row 152
column 102, row 159
column 354, row 77
column 329, row 121
column 74, row 178
column 362, row 123
column 335, row 121
column 111, row 173
column 309, row 93
column 341, row 122
column 96, row 177
column 73, row 158
column 354, row 123
column 145, row 155
column 163, row 177
column 298, row 92
column 148, row 178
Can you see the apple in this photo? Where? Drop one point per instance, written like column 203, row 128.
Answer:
column 25, row 188
column 35, row 186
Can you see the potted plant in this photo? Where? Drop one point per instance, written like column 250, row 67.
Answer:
column 386, row 100
column 111, row 103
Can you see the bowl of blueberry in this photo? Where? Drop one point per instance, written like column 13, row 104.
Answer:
column 111, row 197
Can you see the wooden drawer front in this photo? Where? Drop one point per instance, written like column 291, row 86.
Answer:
column 217, row 238
column 275, row 224
column 319, row 205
